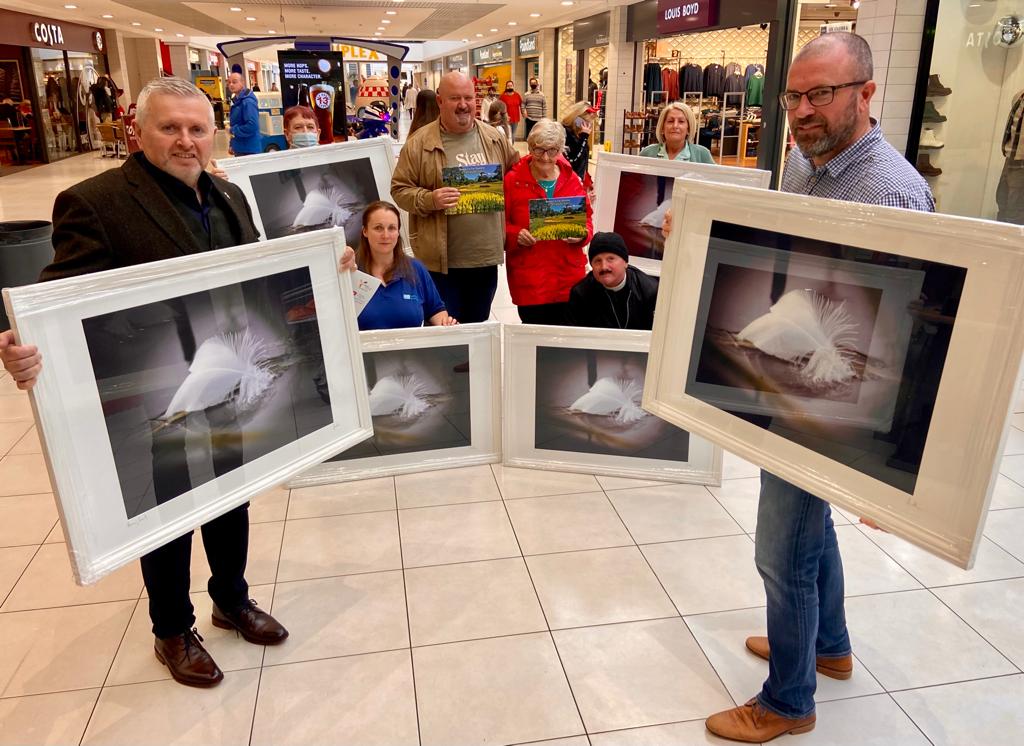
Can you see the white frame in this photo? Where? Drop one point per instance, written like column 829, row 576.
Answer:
column 521, row 341
column 945, row 515
column 378, row 149
column 484, row 341
column 610, row 167
column 69, row 416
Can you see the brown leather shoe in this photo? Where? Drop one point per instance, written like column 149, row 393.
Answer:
column 187, row 660
column 834, row 668
column 254, row 624
column 752, row 723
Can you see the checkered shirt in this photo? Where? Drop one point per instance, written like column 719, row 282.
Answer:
column 870, row 171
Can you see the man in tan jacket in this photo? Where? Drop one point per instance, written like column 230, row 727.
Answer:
column 462, row 252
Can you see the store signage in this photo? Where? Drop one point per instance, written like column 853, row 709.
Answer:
column 493, row 53
column 456, row 61
column 50, row 34
column 97, row 40
column 528, row 45
column 351, row 52
column 680, row 16
column 591, row 32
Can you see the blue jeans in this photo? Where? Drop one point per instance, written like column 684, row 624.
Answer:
column 797, row 555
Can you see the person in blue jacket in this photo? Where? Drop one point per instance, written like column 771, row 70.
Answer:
column 407, row 296
column 244, row 118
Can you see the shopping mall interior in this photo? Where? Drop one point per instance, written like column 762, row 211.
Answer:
column 485, row 596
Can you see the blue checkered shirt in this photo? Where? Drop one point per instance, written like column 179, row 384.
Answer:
column 870, row 171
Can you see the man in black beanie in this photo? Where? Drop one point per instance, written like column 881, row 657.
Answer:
column 614, row 295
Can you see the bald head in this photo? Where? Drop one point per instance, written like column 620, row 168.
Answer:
column 841, row 49
column 457, row 101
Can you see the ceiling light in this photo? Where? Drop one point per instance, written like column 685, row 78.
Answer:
column 566, row 2
column 534, row 15
column 107, row 15
column 71, row 7
column 271, row 31
column 136, row 23
column 479, row 35
column 381, row 28
column 376, row 33
column 391, row 12
column 465, row 40
column 250, row 18
column 180, row 35
column 494, row 30
column 512, row 23
column 384, row 20
column 158, row 30
column 235, row 10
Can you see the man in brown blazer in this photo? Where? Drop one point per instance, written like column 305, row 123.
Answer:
column 161, row 204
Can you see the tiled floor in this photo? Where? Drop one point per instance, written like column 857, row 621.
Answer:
column 491, row 605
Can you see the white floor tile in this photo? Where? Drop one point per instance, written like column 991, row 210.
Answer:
column 23, row 475
column 48, row 582
column 565, row 523
column 864, row 721
column 672, row 513
column 514, row 482
column 601, row 586
column 11, row 433
column 364, row 699
column 1006, row 528
column 994, row 611
column 637, row 674
column 722, row 637
column 46, row 719
column 912, row 639
column 340, row 545
column 269, row 506
column 623, row 483
column 692, row 733
column 969, row 713
column 1013, row 467
column 1007, row 494
column 15, row 408
column 13, row 561
column 343, row 498
column 29, row 443
column 461, row 700
column 866, row 568
column 456, row 533
column 469, row 484
column 704, row 575
column 740, row 497
column 1014, row 443
column 734, row 467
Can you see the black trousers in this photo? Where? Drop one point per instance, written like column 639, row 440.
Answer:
column 468, row 292
column 166, row 571
column 550, row 314
column 528, row 125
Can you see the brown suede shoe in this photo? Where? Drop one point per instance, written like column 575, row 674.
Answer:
column 834, row 668
column 187, row 660
column 752, row 723
column 254, row 624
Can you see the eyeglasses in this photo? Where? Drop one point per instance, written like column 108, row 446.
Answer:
column 549, row 152
column 820, row 96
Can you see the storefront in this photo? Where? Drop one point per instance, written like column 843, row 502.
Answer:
column 432, row 77
column 54, row 88
column 966, row 120
column 457, row 62
column 726, row 61
column 493, row 66
column 529, row 60
column 583, row 67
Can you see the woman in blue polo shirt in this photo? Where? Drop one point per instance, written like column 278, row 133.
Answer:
column 407, row 296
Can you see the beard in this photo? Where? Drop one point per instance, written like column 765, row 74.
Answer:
column 830, row 139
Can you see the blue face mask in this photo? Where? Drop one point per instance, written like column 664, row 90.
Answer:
column 305, row 139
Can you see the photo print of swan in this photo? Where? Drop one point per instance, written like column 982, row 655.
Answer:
column 199, row 385
column 304, row 199
column 834, row 347
column 588, row 401
column 419, row 401
column 640, row 208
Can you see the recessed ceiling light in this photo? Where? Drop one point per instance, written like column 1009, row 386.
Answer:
column 107, row 15
column 180, row 35
column 250, row 18
column 513, row 23
column 465, row 40
column 271, row 31
column 566, row 2
column 136, row 23
column 235, row 10
column 534, row 15
column 158, row 30
column 71, row 7
column 381, row 28
column 384, row 20
column 479, row 35
column 376, row 33
column 391, row 12
column 494, row 30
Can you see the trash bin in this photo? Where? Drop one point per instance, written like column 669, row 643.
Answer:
column 25, row 249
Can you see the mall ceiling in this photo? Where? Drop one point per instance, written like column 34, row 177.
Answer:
column 401, row 20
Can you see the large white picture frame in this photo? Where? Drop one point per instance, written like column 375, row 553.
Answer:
column 429, row 410
column 927, row 478
column 324, row 186
column 632, row 194
column 174, row 391
column 571, row 403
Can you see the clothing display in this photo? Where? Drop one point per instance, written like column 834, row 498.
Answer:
column 748, row 73
column 691, row 78
column 735, row 84
column 652, row 79
column 755, row 89
column 733, row 68
column 670, row 83
column 714, row 80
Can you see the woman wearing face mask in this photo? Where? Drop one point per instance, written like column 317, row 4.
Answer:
column 542, row 272
column 513, row 104
column 677, row 133
column 407, row 296
column 300, row 127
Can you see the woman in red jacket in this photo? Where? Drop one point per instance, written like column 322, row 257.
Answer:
column 542, row 272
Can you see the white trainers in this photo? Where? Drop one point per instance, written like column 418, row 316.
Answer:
column 929, row 140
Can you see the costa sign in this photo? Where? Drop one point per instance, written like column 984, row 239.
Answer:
column 50, row 34
column 675, row 16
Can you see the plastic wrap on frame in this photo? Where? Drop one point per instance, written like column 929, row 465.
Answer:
column 485, row 447
column 37, row 313
column 612, row 436
column 943, row 512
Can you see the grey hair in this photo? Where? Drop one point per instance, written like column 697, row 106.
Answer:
column 166, row 87
column 691, row 121
column 855, row 46
column 547, row 134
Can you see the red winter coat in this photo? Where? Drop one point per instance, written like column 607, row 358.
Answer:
column 546, row 271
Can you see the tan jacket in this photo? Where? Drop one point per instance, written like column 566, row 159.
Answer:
column 418, row 173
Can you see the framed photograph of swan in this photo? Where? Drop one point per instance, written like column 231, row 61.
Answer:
column 858, row 352
column 176, row 390
column 435, row 399
column 303, row 189
column 634, row 194
column 572, row 403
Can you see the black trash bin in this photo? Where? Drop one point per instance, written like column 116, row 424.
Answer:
column 25, row 249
